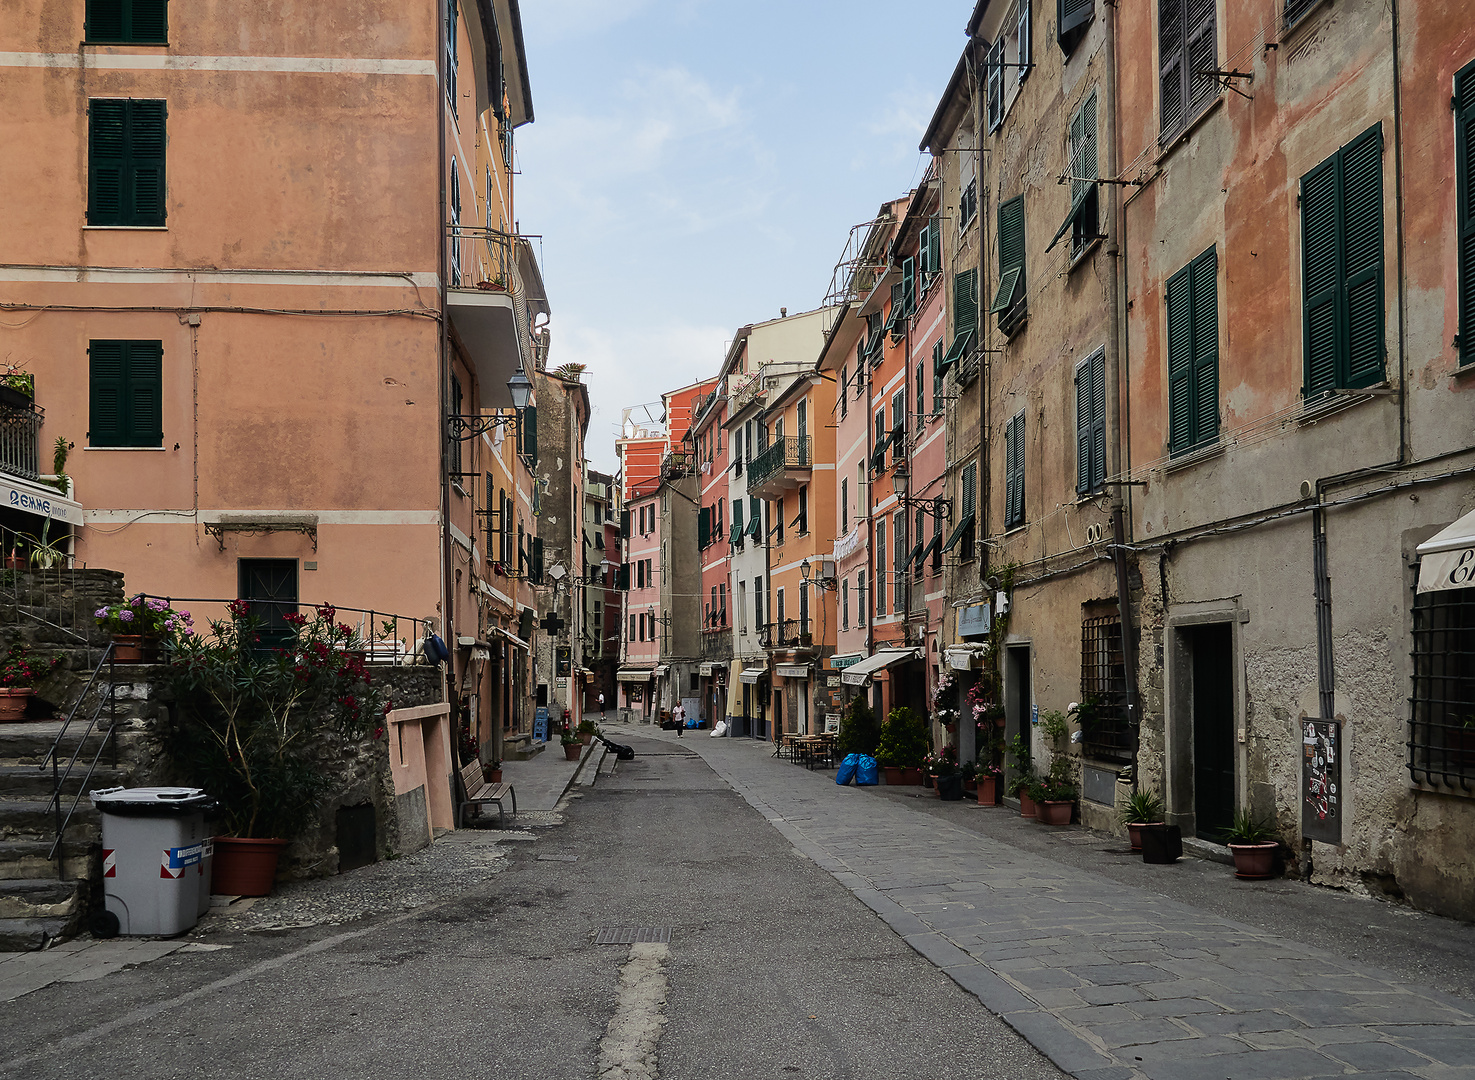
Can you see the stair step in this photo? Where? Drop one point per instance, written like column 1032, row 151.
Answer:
column 22, row 859
column 38, row 898
column 20, row 818
column 28, row 743
column 28, row 935
column 32, row 782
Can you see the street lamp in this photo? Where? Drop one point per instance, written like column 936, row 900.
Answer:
column 469, row 427
column 804, row 569
column 521, row 388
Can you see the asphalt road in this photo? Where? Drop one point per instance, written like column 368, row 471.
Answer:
column 773, row 970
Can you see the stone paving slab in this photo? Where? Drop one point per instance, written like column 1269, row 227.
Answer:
column 1111, row 982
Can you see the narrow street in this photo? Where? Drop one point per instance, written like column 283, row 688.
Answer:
column 777, row 964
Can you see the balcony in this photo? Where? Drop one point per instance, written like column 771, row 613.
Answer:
column 20, row 430
column 676, row 464
column 786, row 463
column 790, row 634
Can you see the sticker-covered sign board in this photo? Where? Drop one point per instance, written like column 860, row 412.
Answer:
column 1321, row 780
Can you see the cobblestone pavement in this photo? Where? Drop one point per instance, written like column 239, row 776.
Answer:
column 1110, row 981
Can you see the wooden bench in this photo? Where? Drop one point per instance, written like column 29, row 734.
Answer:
column 478, row 791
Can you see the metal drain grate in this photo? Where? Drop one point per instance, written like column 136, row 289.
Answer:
column 630, row 935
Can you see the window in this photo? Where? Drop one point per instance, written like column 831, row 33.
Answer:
column 965, row 301
column 779, row 618
column 1441, row 743
column 1071, row 19
column 778, row 528
column 845, row 604
column 742, row 606
column 921, row 392
column 1465, row 179
column 1009, row 302
column 803, row 517
column 736, row 536
column 967, row 186
column 994, row 84
column 450, row 58
column 455, row 225
column 1091, row 423
column 758, row 601
column 899, row 427
column 844, row 384
column 125, row 162
column 1084, row 220
column 844, row 505
column 528, row 433
column 632, row 628
column 969, row 501
column 909, row 286
column 935, row 546
column 1014, row 472
column 126, row 393
column 860, row 598
column 127, row 22
column 1294, row 9
column 1342, row 267
column 1104, row 685
column 916, row 555
column 1193, row 354
column 803, row 609
column 880, row 567
column 1008, row 63
column 455, row 439
column 899, row 560
column 1187, row 44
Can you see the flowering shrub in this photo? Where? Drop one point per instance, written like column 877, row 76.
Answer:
column 147, row 616
column 250, row 721
column 20, row 668
column 942, row 762
column 943, row 690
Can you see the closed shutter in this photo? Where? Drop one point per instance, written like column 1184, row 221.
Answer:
column 143, row 199
column 1320, row 278
column 1084, row 417
column 704, row 526
column 530, row 434
column 105, row 414
column 965, row 301
column 125, row 393
column 1014, row 472
column 934, row 244
column 104, row 21
column 1180, row 360
column 624, row 523
column 106, row 161
column 537, row 560
column 970, row 491
column 1362, row 201
column 1465, row 177
column 149, row 21
column 622, row 578
column 145, row 372
column 1170, row 59
column 1205, row 347
column 937, row 355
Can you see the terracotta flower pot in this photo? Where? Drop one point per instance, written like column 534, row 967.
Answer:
column 571, row 751
column 988, row 791
column 1055, row 813
column 244, row 867
column 491, row 776
column 896, row 776
column 1026, row 805
column 1134, row 834
column 970, row 784
column 1254, row 861
column 584, row 738
column 13, row 702
column 136, row 649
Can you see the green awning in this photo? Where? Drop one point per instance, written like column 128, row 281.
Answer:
column 958, row 533
column 962, row 346
column 1075, row 212
column 1008, row 286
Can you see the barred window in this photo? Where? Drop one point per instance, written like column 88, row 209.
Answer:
column 1104, row 689
column 1441, row 745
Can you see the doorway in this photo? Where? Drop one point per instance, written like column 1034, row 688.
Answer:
column 271, row 587
column 1211, row 649
column 1018, row 696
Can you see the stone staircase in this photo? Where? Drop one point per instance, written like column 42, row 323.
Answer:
column 44, row 898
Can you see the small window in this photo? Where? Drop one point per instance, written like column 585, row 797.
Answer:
column 1295, row 9
column 1193, row 355
column 1091, row 423
column 1441, row 743
column 1188, row 48
column 126, row 141
column 127, row 22
column 126, row 393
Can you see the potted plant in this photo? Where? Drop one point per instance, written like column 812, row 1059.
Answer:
column 491, row 771
column 19, row 673
column 942, row 767
column 902, row 746
column 251, row 726
column 1056, row 795
column 586, row 732
column 1142, row 808
column 572, row 747
column 859, row 731
column 969, row 771
column 141, row 627
column 1253, row 844
column 1021, row 764
column 17, row 387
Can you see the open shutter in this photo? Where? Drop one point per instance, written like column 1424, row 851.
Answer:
column 537, row 560
column 965, row 301
column 1011, row 254
column 1083, row 427
column 1026, row 45
column 1180, row 360
column 622, row 577
column 106, row 160
column 1362, row 207
column 1320, row 276
column 143, row 202
column 994, row 84
column 105, row 360
column 1098, row 419
column 145, row 378
column 1170, row 59
column 908, row 285
column 934, row 244
column 1070, row 16
column 924, row 251
column 1205, row 406
column 704, row 526
column 624, row 523
column 530, row 434
column 1202, row 54
column 1465, row 176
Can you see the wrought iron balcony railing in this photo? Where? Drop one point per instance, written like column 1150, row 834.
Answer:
column 792, row 452
column 20, row 430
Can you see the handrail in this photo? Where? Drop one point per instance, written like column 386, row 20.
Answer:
column 60, row 776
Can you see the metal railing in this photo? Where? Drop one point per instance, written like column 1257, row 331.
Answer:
column 791, row 633
column 790, row 452
column 20, row 431
column 59, row 774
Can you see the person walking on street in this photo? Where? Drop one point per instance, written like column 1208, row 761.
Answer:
column 679, row 715
column 601, row 706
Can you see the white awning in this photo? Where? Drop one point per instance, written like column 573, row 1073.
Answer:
column 753, row 674
column 36, row 498
column 963, row 658
column 633, row 675
column 794, row 671
column 860, row 674
column 1447, row 559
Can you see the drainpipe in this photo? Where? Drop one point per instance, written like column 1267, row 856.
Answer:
column 1117, row 378
column 447, row 620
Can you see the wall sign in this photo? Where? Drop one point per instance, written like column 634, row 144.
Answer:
column 1321, row 780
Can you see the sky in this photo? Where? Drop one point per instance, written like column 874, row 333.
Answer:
column 694, row 166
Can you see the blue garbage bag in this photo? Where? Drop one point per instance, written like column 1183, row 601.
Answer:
column 846, row 772
column 866, row 770
column 692, row 721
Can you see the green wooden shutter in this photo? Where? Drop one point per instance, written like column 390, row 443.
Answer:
column 103, row 21
column 1083, row 427
column 1201, row 52
column 1170, row 60
column 624, row 523
column 1014, row 471
column 149, row 22
column 106, row 160
column 1011, row 253
column 1465, row 177
column 145, row 386
column 1320, row 276
column 105, row 360
column 1180, row 361
column 1071, row 15
column 530, row 434
column 934, row 244
column 909, row 285
column 1205, row 396
column 965, row 301
column 143, row 201
column 1098, row 419
column 704, row 526
column 924, row 249
column 537, row 560
column 1362, row 204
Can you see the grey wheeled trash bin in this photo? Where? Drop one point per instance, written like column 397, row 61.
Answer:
column 156, row 860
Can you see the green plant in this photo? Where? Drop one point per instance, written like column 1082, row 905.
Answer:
column 45, row 555
column 1056, row 787
column 20, row 668
column 1056, row 728
column 943, row 762
column 568, row 738
column 1143, row 808
column 1248, row 829
column 147, row 616
column 18, row 378
column 859, row 731
column 904, row 741
column 586, row 727
column 257, row 727
column 59, row 453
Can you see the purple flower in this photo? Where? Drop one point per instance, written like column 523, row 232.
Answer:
column 101, row 613
column 125, row 616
